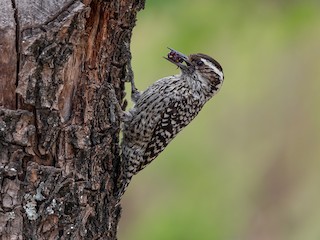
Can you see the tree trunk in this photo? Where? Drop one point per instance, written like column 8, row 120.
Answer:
column 63, row 65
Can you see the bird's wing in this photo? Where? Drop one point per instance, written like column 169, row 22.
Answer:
column 149, row 109
column 173, row 119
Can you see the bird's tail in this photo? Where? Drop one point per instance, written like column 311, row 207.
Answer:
column 126, row 175
column 122, row 186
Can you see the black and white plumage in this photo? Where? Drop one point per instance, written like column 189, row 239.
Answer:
column 165, row 108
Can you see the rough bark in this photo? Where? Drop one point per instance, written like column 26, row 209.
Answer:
column 63, row 65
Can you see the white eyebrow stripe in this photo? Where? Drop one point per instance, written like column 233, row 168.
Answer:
column 211, row 65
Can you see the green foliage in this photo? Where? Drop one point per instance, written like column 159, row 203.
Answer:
column 247, row 166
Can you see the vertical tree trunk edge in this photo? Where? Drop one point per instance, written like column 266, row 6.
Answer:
column 62, row 72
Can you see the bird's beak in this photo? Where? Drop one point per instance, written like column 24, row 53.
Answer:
column 179, row 59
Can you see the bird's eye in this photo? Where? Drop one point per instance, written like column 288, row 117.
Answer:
column 199, row 63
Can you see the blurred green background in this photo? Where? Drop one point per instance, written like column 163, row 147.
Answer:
column 248, row 167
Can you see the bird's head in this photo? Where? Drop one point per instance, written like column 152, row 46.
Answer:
column 200, row 67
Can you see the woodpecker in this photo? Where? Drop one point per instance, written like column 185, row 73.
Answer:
column 165, row 108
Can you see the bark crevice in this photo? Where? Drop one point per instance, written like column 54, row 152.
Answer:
column 17, row 27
